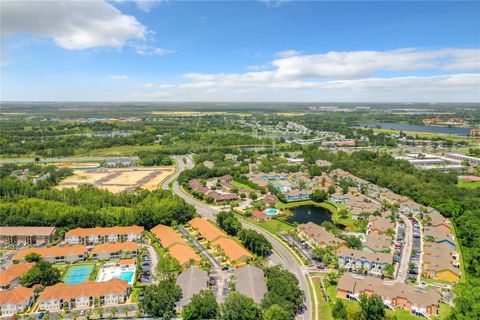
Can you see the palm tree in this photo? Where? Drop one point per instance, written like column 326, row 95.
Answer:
column 75, row 315
column 99, row 311
column 126, row 310
column 113, row 311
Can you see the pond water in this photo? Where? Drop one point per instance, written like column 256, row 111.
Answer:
column 415, row 128
column 309, row 213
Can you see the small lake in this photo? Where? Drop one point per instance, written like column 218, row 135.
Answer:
column 415, row 128
column 309, row 213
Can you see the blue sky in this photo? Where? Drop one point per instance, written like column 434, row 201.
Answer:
column 241, row 51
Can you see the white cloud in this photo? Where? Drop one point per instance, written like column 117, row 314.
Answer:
column 274, row 3
column 118, row 77
column 288, row 53
column 145, row 49
column 73, row 25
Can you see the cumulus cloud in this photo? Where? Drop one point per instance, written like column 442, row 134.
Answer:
column 73, row 25
column 145, row 49
column 288, row 53
column 118, row 77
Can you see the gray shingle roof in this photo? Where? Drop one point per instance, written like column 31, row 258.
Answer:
column 191, row 281
column 250, row 281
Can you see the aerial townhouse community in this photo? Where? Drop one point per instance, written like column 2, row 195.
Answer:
column 100, row 266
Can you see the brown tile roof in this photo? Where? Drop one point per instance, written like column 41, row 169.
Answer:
column 85, row 289
column 438, row 233
column 183, row 253
column 233, row 250
column 438, row 219
column 269, row 198
column 195, row 184
column 257, row 214
column 17, row 295
column 27, row 231
column 84, row 232
column 166, row 235
column 416, row 296
column 206, row 229
column 438, row 257
column 127, row 261
column 14, row 271
column 377, row 242
column 226, row 178
column 128, row 246
column 55, row 251
column 380, row 224
column 319, row 234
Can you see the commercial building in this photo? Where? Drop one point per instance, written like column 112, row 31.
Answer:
column 27, row 235
column 15, row 301
column 56, row 254
column 399, row 295
column 73, row 296
column 10, row 277
column 89, row 236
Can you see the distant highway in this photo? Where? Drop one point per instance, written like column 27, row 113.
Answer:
column 286, row 258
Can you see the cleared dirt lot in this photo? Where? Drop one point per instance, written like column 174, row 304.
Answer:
column 119, row 179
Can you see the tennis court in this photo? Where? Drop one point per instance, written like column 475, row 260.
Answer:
column 78, row 274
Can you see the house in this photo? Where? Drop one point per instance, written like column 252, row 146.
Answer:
column 439, row 221
column 232, row 250
column 27, row 235
column 440, row 262
column 10, row 277
column 108, row 251
column 56, row 254
column 191, row 281
column 439, row 235
column 83, row 295
column 250, row 281
column 339, row 198
column 398, row 295
column 176, row 245
column 195, row 184
column 377, row 243
column 219, row 197
column 261, row 216
column 379, row 225
column 15, row 300
column 226, row 178
column 101, row 235
column 361, row 260
column 269, row 200
column 319, row 237
column 297, row 195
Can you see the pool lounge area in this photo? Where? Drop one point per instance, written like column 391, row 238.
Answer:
column 272, row 212
column 117, row 270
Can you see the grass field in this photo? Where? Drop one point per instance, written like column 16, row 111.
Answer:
column 117, row 151
column 240, row 185
column 273, row 226
column 468, row 184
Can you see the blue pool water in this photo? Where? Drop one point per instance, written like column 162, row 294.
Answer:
column 271, row 212
column 126, row 275
column 78, row 274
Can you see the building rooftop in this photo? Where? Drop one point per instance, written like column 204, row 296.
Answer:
column 166, row 235
column 232, row 249
column 206, row 229
column 55, row 251
column 250, row 281
column 27, row 231
column 191, row 281
column 116, row 247
column 319, row 234
column 14, row 271
column 16, row 295
column 183, row 253
column 85, row 232
column 367, row 256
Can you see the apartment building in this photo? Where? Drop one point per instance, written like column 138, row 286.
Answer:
column 56, row 254
column 73, row 296
column 177, row 247
column 122, row 250
column 10, row 277
column 361, row 260
column 15, row 300
column 90, row 236
column 318, row 236
column 440, row 262
column 26, row 235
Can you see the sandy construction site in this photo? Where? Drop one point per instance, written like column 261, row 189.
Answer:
column 119, row 179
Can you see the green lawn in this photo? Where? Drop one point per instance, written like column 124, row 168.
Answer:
column 241, row 185
column 273, row 226
column 468, row 184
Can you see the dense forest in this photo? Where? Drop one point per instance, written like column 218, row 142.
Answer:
column 431, row 188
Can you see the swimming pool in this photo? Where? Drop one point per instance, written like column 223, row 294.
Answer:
column 78, row 274
column 272, row 212
column 126, row 275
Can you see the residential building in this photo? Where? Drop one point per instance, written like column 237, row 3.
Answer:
column 191, row 281
column 440, row 262
column 206, row 229
column 219, row 197
column 226, row 178
column 379, row 225
column 56, row 254
column 361, row 260
column 260, row 215
column 10, row 277
column 195, row 184
column 232, row 250
column 176, row 245
column 166, row 235
column 438, row 221
column 74, row 296
column 108, row 250
column 250, row 281
column 97, row 235
column 440, row 235
column 184, row 254
column 398, row 295
column 27, row 235
column 15, row 300
column 297, row 195
column 318, row 236
column 269, row 200
column 376, row 242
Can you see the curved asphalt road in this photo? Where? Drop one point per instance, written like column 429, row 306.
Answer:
column 286, row 257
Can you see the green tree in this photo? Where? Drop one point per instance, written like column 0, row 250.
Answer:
column 229, row 223
column 33, row 257
column 255, row 242
column 275, row 312
column 202, row 306
column 167, row 268
column 353, row 242
column 159, row 300
column 319, row 196
column 43, row 273
column 372, row 308
column 239, row 307
column 339, row 310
